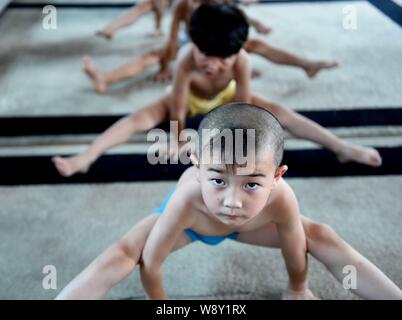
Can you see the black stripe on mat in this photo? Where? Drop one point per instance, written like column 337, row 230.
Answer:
column 135, row 168
column 57, row 125
column 389, row 8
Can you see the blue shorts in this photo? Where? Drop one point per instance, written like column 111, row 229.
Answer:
column 183, row 38
column 194, row 236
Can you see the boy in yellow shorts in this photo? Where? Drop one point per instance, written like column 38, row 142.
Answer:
column 197, row 105
column 182, row 11
column 206, row 70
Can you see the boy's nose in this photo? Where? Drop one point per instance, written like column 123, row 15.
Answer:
column 213, row 64
column 232, row 200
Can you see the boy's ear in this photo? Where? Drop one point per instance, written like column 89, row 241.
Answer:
column 196, row 163
column 279, row 173
column 194, row 160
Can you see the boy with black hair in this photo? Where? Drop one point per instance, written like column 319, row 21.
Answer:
column 218, row 199
column 182, row 12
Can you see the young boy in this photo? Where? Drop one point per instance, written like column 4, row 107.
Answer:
column 182, row 12
column 217, row 199
column 211, row 71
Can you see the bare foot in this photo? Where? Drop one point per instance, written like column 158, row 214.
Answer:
column 108, row 35
column 364, row 155
column 157, row 33
column 313, row 68
column 263, row 29
column 163, row 76
column 97, row 77
column 71, row 165
column 298, row 295
column 255, row 73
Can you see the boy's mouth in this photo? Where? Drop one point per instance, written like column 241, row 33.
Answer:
column 209, row 74
column 230, row 216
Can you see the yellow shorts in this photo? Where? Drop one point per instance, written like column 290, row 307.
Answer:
column 198, row 105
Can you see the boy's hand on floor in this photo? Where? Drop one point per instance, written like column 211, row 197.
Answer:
column 173, row 151
column 305, row 294
column 263, row 29
column 163, row 76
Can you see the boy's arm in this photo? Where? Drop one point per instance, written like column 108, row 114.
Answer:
column 256, row 24
column 242, row 75
column 161, row 241
column 180, row 91
column 171, row 47
column 259, row 26
column 292, row 239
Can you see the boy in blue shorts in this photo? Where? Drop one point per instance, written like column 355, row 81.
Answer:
column 222, row 197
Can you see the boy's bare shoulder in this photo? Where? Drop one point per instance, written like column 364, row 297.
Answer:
column 181, row 8
column 184, row 5
column 283, row 204
column 185, row 58
column 188, row 186
column 242, row 62
column 187, row 196
column 242, row 58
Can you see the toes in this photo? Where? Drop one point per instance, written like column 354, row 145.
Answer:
column 376, row 159
column 329, row 65
column 57, row 161
column 61, row 169
column 86, row 60
column 100, row 88
column 312, row 73
column 334, row 64
column 104, row 34
column 60, row 165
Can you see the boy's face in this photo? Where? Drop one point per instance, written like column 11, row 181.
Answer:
column 212, row 66
column 236, row 199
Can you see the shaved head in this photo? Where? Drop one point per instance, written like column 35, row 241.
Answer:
column 244, row 120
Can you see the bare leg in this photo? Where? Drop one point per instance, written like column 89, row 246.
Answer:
column 304, row 128
column 159, row 7
column 120, row 132
column 329, row 248
column 97, row 77
column 126, row 19
column 114, row 264
column 282, row 57
column 102, row 80
column 259, row 26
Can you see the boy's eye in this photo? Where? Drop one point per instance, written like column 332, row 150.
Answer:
column 218, row 182
column 252, row 186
